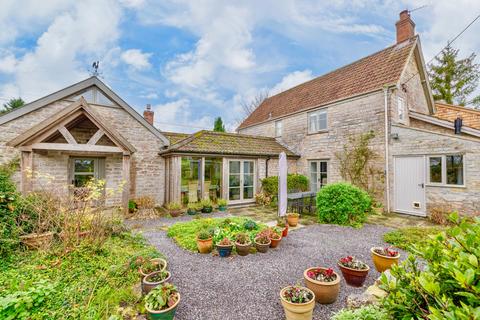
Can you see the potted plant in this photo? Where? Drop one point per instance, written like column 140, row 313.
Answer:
column 154, row 279
column 242, row 244
column 298, row 302
column 354, row 271
column 225, row 247
column 174, row 208
column 275, row 237
column 222, row 205
column 292, row 219
column 325, row 283
column 192, row 208
column 132, row 206
column 383, row 258
column 281, row 223
column 262, row 243
column 162, row 302
column 207, row 206
column 204, row 241
column 147, row 266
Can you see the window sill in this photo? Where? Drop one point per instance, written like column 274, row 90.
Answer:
column 446, row 185
column 317, row 132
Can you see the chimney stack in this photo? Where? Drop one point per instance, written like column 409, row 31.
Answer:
column 405, row 27
column 148, row 114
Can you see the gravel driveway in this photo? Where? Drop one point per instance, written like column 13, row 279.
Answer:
column 247, row 287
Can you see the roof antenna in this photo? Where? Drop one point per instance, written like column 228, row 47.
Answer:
column 418, row 8
column 94, row 71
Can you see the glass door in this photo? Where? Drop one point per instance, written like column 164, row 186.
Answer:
column 248, row 180
column 241, row 180
column 318, row 174
column 234, row 176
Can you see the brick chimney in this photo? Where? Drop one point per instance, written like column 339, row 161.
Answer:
column 148, row 114
column 405, row 27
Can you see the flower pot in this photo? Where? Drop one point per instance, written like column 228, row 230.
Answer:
column 243, row 249
column 354, row 277
column 191, row 212
column 222, row 208
column 148, row 285
column 274, row 242
column 35, row 241
column 167, row 314
column 293, row 220
column 204, row 246
column 325, row 292
column 160, row 261
column 175, row 213
column 207, row 209
column 224, row 251
column 383, row 263
column 297, row 311
column 285, row 231
column 263, row 248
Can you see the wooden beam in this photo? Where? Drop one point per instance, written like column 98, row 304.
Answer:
column 26, row 166
column 67, row 135
column 74, row 147
column 126, row 180
column 97, row 136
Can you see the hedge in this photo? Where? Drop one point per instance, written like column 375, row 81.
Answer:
column 295, row 183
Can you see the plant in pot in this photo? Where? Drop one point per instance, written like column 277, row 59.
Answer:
column 384, row 258
column 192, row 208
column 222, row 205
column 292, row 219
column 204, row 241
column 242, row 244
column 225, row 247
column 324, row 282
column 275, row 237
column 153, row 280
column 298, row 302
column 354, row 271
column 148, row 265
column 132, row 206
column 207, row 206
column 281, row 223
column 175, row 209
column 262, row 243
column 162, row 302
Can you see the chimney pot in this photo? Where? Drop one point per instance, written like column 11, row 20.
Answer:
column 148, row 114
column 405, row 27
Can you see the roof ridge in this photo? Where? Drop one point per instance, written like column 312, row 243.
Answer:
column 238, row 134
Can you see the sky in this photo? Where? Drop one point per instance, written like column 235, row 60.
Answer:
column 200, row 59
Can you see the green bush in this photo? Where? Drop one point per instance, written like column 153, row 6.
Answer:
column 404, row 238
column 369, row 312
column 295, row 183
column 342, row 203
column 448, row 286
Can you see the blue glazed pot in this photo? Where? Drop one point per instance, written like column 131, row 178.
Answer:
column 222, row 208
column 191, row 212
column 207, row 209
column 224, row 251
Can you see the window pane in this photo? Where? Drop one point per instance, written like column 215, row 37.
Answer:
column 248, row 167
column 278, row 128
column 323, row 166
column 234, row 193
column 234, row 166
column 313, row 166
column 234, row 180
column 322, row 125
column 312, row 122
column 82, row 179
column 190, row 173
column 248, row 193
column 436, row 169
column 212, row 178
column 102, row 99
column 248, row 180
column 454, row 169
column 84, row 165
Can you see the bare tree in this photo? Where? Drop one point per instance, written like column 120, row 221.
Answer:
column 249, row 106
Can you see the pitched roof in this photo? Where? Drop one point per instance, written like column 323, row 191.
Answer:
column 223, row 143
column 448, row 112
column 365, row 75
column 175, row 137
column 71, row 90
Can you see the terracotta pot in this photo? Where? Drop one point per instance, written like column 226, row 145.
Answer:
column 243, row 249
column 159, row 261
column 354, row 277
column 325, row 292
column 205, row 246
column 297, row 311
column 167, row 314
column 275, row 242
column 293, row 220
column 148, row 285
column 175, row 213
column 263, row 248
column 383, row 263
column 285, row 231
column 35, row 241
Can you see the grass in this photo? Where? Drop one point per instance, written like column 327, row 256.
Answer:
column 87, row 283
column 266, row 214
column 184, row 233
column 404, row 238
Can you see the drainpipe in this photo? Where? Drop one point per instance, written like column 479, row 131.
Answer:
column 387, row 160
column 266, row 167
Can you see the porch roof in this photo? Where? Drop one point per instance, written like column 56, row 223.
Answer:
column 223, row 143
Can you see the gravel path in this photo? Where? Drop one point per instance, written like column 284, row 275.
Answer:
column 247, row 287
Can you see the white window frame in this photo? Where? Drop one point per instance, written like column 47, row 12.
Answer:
column 318, row 172
column 316, row 114
column 278, row 127
column 444, row 170
column 401, row 109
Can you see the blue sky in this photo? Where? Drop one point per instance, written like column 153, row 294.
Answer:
column 195, row 60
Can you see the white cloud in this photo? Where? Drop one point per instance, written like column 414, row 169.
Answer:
column 177, row 116
column 291, row 80
column 136, row 58
column 151, row 95
column 132, row 3
column 8, row 63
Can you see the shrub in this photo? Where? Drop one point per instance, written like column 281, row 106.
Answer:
column 295, row 183
column 173, row 206
column 222, row 202
column 448, row 287
column 342, row 203
column 369, row 312
column 404, row 238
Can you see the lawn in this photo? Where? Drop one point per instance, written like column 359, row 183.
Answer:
column 404, row 238
column 87, row 283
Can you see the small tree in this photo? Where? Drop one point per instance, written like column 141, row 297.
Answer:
column 452, row 79
column 12, row 104
column 218, row 125
column 250, row 106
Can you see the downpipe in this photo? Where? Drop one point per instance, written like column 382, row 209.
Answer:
column 387, row 154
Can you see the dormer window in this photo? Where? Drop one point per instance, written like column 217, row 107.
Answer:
column 401, row 109
column 317, row 121
column 278, row 128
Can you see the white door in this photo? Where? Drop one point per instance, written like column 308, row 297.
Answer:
column 409, row 185
column 241, row 180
